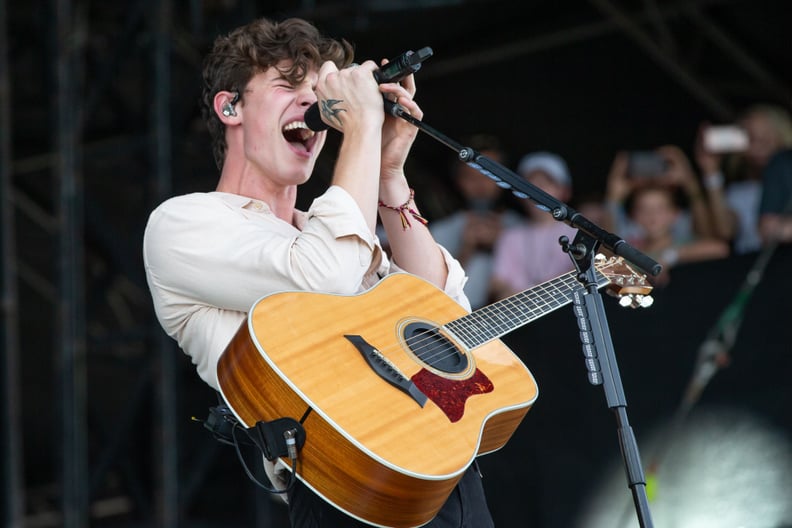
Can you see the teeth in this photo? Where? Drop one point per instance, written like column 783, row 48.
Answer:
column 305, row 132
column 295, row 124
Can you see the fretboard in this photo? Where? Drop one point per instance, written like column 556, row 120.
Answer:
column 500, row 318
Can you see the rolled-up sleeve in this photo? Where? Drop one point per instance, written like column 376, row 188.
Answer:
column 210, row 257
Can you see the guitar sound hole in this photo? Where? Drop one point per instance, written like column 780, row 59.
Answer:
column 434, row 349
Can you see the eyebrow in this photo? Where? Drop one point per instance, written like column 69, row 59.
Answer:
column 284, row 78
column 280, row 76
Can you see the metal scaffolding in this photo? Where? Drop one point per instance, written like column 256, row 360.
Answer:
column 70, row 345
column 76, row 495
column 167, row 378
column 13, row 454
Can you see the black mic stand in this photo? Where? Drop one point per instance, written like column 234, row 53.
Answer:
column 587, row 301
column 601, row 363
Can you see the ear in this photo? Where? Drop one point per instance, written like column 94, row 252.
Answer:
column 225, row 107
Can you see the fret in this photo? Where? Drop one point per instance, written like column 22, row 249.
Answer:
column 506, row 315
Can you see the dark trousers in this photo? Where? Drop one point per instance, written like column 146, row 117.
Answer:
column 466, row 507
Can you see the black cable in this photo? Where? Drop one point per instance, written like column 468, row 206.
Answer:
column 268, row 489
column 225, row 426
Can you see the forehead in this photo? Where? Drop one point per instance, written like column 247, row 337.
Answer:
column 654, row 196
column 278, row 75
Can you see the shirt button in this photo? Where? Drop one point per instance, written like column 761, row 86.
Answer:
column 258, row 206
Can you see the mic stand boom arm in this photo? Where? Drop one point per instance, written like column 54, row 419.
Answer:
column 523, row 189
column 588, row 305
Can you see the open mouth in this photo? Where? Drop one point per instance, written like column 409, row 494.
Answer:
column 299, row 135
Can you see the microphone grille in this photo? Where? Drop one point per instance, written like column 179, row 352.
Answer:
column 314, row 119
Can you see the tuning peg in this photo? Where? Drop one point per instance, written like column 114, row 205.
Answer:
column 626, row 300
column 636, row 300
column 645, row 301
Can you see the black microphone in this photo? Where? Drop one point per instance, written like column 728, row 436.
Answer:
column 394, row 71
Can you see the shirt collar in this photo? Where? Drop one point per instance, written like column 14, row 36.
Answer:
column 243, row 202
column 235, row 200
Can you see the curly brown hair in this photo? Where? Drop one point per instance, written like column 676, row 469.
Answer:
column 255, row 47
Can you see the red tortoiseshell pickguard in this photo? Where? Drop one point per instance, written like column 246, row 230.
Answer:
column 451, row 395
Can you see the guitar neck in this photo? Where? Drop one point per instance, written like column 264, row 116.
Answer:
column 500, row 318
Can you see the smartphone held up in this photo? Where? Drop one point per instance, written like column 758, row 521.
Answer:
column 725, row 139
column 644, row 164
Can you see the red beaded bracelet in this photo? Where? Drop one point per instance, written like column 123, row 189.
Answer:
column 406, row 207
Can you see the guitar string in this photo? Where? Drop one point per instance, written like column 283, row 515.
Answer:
column 542, row 296
column 470, row 328
column 481, row 327
column 461, row 327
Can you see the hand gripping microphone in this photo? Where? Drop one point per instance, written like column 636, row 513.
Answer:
column 394, row 71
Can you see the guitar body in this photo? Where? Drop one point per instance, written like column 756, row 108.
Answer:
column 373, row 450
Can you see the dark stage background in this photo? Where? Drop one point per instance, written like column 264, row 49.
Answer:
column 99, row 122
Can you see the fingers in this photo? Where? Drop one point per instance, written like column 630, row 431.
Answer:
column 364, row 74
column 619, row 166
column 671, row 151
column 353, row 77
column 326, row 69
column 408, row 82
column 402, row 95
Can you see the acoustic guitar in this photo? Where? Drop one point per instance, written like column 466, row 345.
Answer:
column 398, row 388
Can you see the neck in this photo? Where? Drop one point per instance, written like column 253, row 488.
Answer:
column 281, row 199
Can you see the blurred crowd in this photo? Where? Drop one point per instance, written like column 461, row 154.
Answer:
column 732, row 195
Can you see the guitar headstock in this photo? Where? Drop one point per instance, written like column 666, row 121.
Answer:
column 631, row 287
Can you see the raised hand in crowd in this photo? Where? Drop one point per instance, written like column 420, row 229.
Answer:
column 732, row 159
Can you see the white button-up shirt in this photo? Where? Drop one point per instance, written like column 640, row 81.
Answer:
column 210, row 256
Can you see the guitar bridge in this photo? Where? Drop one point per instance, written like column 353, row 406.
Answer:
column 386, row 370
